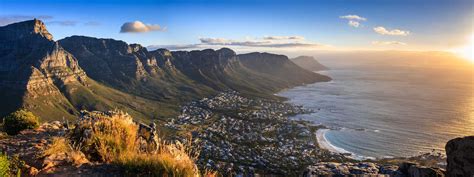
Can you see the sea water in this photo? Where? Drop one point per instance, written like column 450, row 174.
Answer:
column 384, row 111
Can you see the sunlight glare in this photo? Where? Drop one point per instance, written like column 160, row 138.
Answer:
column 467, row 51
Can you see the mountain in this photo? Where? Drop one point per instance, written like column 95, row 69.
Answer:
column 132, row 69
column 39, row 75
column 34, row 68
column 56, row 79
column 186, row 74
column 309, row 63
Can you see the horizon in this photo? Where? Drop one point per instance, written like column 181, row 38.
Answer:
column 302, row 27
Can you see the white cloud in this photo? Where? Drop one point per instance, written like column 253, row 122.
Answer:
column 139, row 27
column 388, row 43
column 280, row 42
column 264, row 42
column 395, row 32
column 354, row 20
column 353, row 17
column 283, row 38
column 353, row 24
column 174, row 47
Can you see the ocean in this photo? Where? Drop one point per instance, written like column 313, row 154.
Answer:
column 382, row 110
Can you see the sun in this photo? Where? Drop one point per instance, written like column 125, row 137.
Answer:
column 467, row 51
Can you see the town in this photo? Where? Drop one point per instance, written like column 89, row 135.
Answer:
column 239, row 134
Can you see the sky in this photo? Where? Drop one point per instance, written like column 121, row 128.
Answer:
column 259, row 25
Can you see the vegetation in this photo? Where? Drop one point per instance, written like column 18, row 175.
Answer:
column 114, row 138
column 20, row 120
column 4, row 165
column 10, row 165
column 61, row 145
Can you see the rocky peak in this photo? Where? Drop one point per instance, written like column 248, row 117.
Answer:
column 27, row 28
column 28, row 55
column 163, row 52
column 136, row 48
column 226, row 52
column 40, row 28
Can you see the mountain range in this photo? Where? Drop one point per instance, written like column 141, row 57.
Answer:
column 57, row 79
column 309, row 63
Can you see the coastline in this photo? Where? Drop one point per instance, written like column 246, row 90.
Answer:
column 324, row 143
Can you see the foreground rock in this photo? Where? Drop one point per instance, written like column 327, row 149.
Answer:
column 26, row 150
column 372, row 169
column 460, row 152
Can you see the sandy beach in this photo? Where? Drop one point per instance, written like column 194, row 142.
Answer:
column 325, row 144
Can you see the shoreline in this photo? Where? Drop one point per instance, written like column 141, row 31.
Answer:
column 324, row 143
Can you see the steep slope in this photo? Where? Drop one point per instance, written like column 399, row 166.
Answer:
column 132, row 69
column 36, row 73
column 183, row 75
column 253, row 73
column 309, row 63
column 33, row 67
column 280, row 69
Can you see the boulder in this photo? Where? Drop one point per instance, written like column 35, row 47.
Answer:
column 415, row 170
column 460, row 157
column 421, row 171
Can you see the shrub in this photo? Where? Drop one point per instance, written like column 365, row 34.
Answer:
column 4, row 165
column 20, row 120
column 113, row 138
column 173, row 159
column 61, row 145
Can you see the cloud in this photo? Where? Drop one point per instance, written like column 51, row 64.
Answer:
column 353, row 24
column 354, row 20
column 353, row 17
column 283, row 38
column 388, row 43
column 139, row 27
column 395, row 32
column 174, row 47
column 264, row 42
column 92, row 23
column 8, row 19
column 63, row 23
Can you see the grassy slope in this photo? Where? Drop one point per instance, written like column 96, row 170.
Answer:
column 97, row 97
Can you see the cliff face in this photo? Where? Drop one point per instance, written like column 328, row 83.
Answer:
column 280, row 67
column 36, row 73
column 309, row 63
column 110, row 60
column 130, row 68
column 166, row 75
column 460, row 157
column 27, row 50
column 33, row 66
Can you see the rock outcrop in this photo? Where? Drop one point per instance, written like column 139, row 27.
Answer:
column 309, row 63
column 34, row 67
column 372, row 169
column 460, row 157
